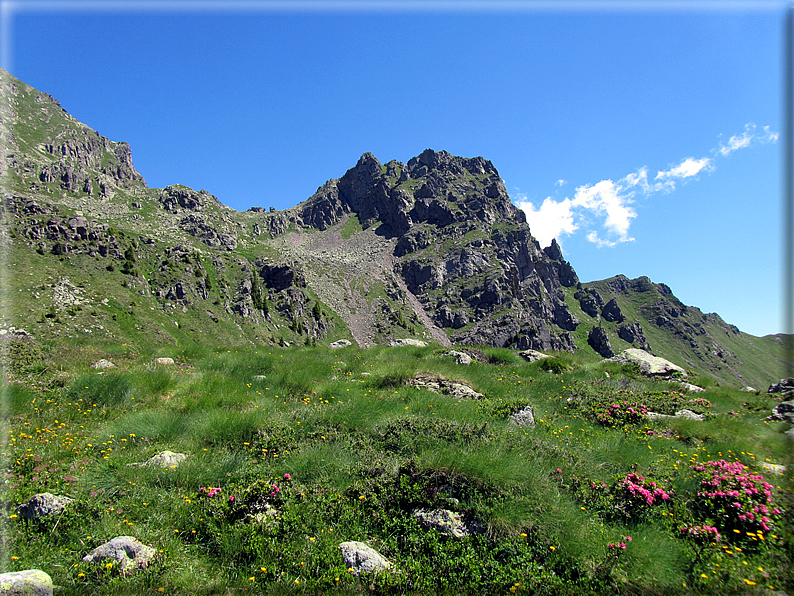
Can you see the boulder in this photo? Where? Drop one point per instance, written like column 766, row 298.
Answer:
column 599, row 341
column 611, row 312
column 692, row 388
column 533, row 355
column 127, row 552
column 784, row 411
column 460, row 357
column 32, row 582
column 524, row 417
column 786, row 386
column 449, row 523
column 685, row 414
column 259, row 377
column 102, row 364
column 362, row 558
column 438, row 384
column 649, row 364
column 163, row 360
column 42, row 504
column 418, row 343
column 342, row 343
column 164, row 459
column 749, row 389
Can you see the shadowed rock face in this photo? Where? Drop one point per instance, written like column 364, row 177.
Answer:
column 460, row 246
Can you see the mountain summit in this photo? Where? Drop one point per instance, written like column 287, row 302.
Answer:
column 431, row 249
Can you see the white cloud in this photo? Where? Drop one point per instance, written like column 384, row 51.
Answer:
column 561, row 182
column 748, row 138
column 686, row 169
column 550, row 221
column 610, row 201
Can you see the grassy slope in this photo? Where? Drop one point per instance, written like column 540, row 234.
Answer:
column 363, row 450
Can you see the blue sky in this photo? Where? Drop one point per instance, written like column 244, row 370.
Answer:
column 644, row 139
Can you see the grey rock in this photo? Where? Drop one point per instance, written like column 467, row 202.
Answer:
column 342, row 343
column 524, row 417
column 692, row 388
column 749, row 389
column 784, row 411
column 785, row 386
column 126, row 551
column 418, row 343
column 612, row 313
column 633, row 334
column 164, row 459
column 649, row 364
column 362, row 558
column 101, row 364
column 533, row 355
column 449, row 523
column 163, row 360
column 441, row 385
column 43, row 504
column 599, row 341
column 685, row 414
column 32, row 582
column 259, row 377
column 460, row 357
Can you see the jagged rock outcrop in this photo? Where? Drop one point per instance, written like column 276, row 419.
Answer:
column 633, row 334
column 598, row 339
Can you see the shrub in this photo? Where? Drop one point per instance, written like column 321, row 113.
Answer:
column 736, row 500
column 553, row 365
column 620, row 412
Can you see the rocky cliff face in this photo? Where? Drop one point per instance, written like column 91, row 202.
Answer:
column 460, row 247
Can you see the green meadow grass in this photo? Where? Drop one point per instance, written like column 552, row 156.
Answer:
column 363, row 449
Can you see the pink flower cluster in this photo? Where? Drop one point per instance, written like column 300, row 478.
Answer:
column 210, row 491
column 707, row 533
column 275, row 490
column 648, row 490
column 621, row 545
column 741, row 494
column 623, row 411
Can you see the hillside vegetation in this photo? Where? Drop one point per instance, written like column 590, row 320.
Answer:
column 292, row 451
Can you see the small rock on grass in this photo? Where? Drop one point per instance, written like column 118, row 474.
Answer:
column 127, row 552
column 408, row 342
column 362, row 558
column 460, row 357
column 163, row 360
column 32, row 582
column 164, row 459
column 42, row 504
column 102, row 364
column 342, row 343
column 524, row 417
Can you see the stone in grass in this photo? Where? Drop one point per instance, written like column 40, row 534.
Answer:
column 691, row 388
column 784, row 411
column 32, row 582
column 418, row 343
column 164, row 459
column 102, row 364
column 684, row 414
column 163, row 360
column 342, row 343
column 460, row 357
column 533, row 355
column 362, row 558
column 42, row 504
column 649, row 364
column 523, row 417
column 448, row 523
column 126, row 552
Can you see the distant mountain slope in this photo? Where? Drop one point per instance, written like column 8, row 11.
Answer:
column 432, row 249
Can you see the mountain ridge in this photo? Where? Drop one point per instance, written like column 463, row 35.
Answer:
column 432, row 249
